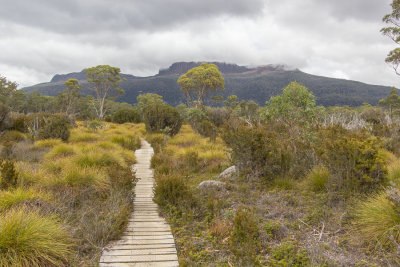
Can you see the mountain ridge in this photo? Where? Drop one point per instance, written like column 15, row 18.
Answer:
column 248, row 83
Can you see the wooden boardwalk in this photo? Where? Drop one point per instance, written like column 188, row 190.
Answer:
column 147, row 240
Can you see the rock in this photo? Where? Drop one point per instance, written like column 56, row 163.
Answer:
column 228, row 173
column 211, row 184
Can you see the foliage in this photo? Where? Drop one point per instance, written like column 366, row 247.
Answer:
column 245, row 237
column 105, row 81
column 289, row 254
column 29, row 239
column 172, row 190
column 393, row 32
column 95, row 125
column 70, row 98
column 354, row 160
column 7, row 89
column 56, row 127
column 162, row 118
column 199, row 81
column 126, row 115
column 9, row 175
column 256, row 150
column 4, row 111
column 392, row 101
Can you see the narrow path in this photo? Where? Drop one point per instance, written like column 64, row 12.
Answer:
column 147, row 241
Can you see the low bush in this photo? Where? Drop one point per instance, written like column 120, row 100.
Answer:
column 56, row 127
column 162, row 118
column 127, row 115
column 29, row 239
column 20, row 124
column 9, row 175
column 173, row 190
column 95, row 125
column 245, row 238
column 353, row 159
column 289, row 254
column 257, row 151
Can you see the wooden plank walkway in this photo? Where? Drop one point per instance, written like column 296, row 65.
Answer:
column 147, row 240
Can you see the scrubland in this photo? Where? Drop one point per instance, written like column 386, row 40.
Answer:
column 69, row 198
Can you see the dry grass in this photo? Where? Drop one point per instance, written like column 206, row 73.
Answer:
column 88, row 182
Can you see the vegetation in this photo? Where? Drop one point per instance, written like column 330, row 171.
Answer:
column 105, row 81
column 61, row 203
column 199, row 81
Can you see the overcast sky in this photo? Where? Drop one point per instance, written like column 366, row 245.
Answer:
column 335, row 38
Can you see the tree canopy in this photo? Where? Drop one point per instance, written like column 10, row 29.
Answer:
column 199, row 81
column 393, row 32
column 105, row 81
column 392, row 101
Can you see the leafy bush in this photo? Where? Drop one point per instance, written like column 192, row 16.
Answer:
column 245, row 241
column 9, row 175
column 4, row 111
column 20, row 124
column 94, row 125
column 162, row 118
column 56, row 127
column 127, row 115
column 256, row 151
column 28, row 239
column 354, row 160
column 172, row 190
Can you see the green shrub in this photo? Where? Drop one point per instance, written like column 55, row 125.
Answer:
column 245, row 238
column 318, row 178
column 353, row 159
column 94, row 125
column 56, row 127
column 20, row 124
column 127, row 115
column 173, row 190
column 4, row 111
column 289, row 254
column 28, row 239
column 162, row 118
column 11, row 137
column 256, row 151
column 9, row 175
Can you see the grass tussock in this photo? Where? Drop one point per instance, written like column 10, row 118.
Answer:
column 13, row 197
column 30, row 239
column 377, row 221
column 88, row 182
column 48, row 143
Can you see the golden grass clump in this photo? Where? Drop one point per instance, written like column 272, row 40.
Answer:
column 394, row 172
column 29, row 239
column 48, row 143
column 61, row 150
column 377, row 220
column 318, row 178
column 15, row 196
column 77, row 135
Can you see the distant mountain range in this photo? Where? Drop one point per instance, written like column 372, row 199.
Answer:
column 255, row 83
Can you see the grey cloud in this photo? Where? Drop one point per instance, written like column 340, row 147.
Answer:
column 76, row 16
